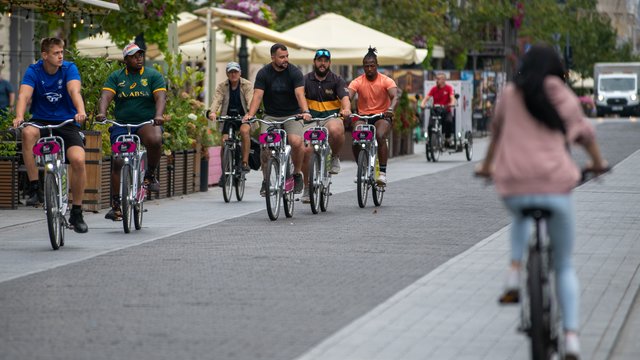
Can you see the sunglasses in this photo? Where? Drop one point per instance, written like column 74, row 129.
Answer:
column 323, row 53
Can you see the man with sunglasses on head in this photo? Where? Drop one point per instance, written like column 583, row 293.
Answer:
column 377, row 93
column 281, row 86
column 53, row 86
column 326, row 94
column 140, row 95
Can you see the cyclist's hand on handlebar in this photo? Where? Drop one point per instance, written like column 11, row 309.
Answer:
column 101, row 117
column 17, row 122
column 212, row 116
column 482, row 170
column 304, row 116
column 80, row 118
column 158, row 120
column 388, row 114
column 345, row 113
column 247, row 117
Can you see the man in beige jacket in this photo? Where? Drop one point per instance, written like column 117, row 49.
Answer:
column 232, row 98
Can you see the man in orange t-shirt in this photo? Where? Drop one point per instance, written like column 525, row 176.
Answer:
column 377, row 93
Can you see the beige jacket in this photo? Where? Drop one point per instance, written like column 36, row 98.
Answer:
column 221, row 99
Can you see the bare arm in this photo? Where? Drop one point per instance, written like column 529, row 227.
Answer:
column 255, row 103
column 393, row 95
column 302, row 102
column 160, row 97
column 106, row 97
column 424, row 102
column 12, row 98
column 73, row 87
column 452, row 99
column 352, row 93
column 24, row 94
column 345, row 105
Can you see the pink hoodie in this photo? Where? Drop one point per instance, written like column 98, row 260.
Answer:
column 529, row 157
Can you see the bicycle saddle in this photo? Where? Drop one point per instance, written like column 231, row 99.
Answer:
column 536, row 213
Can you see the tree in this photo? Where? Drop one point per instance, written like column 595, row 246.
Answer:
column 148, row 17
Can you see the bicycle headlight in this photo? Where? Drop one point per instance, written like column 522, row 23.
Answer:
column 600, row 97
column 50, row 166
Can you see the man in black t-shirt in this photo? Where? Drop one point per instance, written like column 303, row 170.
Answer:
column 281, row 88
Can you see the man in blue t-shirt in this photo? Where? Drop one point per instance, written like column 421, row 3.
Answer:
column 6, row 94
column 53, row 86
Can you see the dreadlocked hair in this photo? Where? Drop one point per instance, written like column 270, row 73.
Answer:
column 371, row 54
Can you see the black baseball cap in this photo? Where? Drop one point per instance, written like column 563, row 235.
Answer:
column 321, row 53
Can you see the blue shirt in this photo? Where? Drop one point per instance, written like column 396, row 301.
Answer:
column 51, row 100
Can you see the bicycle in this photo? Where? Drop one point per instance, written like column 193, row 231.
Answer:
column 435, row 144
column 234, row 177
column 319, row 181
column 364, row 135
column 539, row 310
column 50, row 154
column 130, row 149
column 279, row 173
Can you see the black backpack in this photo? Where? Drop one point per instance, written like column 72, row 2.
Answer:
column 254, row 155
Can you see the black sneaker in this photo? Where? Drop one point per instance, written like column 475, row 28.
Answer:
column 221, row 181
column 76, row 220
column 298, row 183
column 152, row 183
column 34, row 196
column 246, row 168
column 263, row 189
column 114, row 214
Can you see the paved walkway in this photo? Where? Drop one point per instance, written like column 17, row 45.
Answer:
column 452, row 312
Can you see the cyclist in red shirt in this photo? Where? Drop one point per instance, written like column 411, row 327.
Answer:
column 442, row 94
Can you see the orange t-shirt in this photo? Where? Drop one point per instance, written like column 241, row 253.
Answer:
column 373, row 96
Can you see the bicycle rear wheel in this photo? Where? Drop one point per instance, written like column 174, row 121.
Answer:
column 274, row 189
column 52, row 210
column 314, row 187
column 363, row 180
column 227, row 173
column 288, row 196
column 125, row 201
column 428, row 149
column 539, row 312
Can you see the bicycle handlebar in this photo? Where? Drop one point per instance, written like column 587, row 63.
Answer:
column 334, row 115
column 367, row 117
column 52, row 126
column 113, row 122
column 274, row 122
column 228, row 118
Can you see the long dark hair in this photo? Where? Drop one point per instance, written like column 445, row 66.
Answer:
column 538, row 63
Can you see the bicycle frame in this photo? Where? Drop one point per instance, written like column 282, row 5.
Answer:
column 364, row 135
column 232, row 172
column 130, row 149
column 50, row 153
column 539, row 314
column 274, row 140
column 318, row 138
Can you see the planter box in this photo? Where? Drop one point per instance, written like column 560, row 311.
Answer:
column 215, row 166
column 92, row 199
column 105, row 183
column 9, row 182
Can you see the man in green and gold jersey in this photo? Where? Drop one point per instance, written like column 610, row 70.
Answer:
column 140, row 95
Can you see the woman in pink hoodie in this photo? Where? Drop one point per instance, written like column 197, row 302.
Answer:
column 535, row 119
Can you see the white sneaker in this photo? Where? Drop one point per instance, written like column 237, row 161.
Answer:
column 382, row 179
column 571, row 347
column 335, row 166
column 305, row 198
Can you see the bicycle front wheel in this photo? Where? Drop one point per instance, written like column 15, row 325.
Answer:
column 239, row 185
column 227, row 173
column 362, row 178
column 288, row 196
column 435, row 146
column 52, row 210
column 274, row 189
column 314, row 187
column 125, row 201
column 539, row 313
column 324, row 196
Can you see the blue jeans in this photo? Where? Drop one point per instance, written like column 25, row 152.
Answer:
column 561, row 228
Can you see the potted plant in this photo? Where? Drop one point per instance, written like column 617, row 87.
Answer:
column 404, row 121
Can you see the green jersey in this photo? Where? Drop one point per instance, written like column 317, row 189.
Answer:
column 134, row 94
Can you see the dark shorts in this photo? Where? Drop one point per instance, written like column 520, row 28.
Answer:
column 69, row 133
column 372, row 121
column 115, row 131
